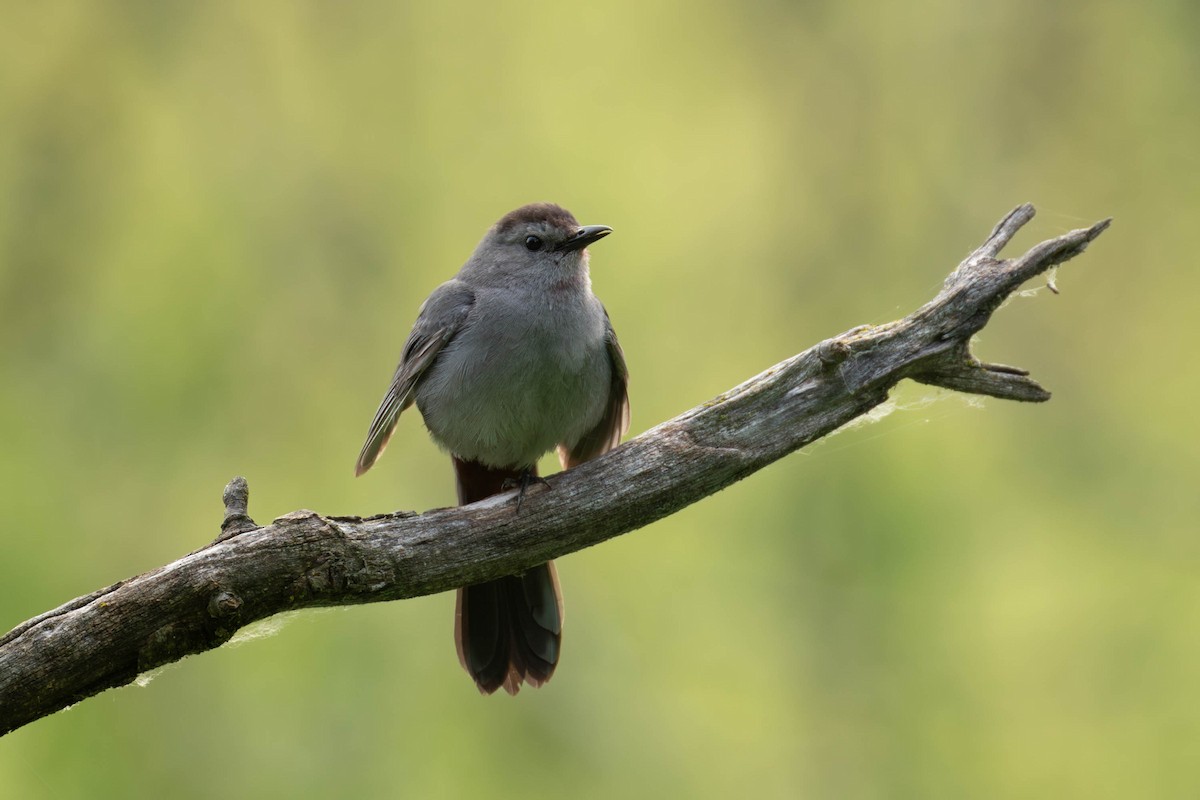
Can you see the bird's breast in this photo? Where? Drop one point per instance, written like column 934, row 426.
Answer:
column 526, row 373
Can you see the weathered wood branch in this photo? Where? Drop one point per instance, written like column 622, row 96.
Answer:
column 302, row 560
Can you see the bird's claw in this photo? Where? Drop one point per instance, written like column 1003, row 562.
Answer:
column 528, row 478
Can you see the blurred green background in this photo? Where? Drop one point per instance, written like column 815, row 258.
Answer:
column 217, row 222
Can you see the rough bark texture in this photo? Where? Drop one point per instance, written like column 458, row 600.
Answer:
column 302, row 560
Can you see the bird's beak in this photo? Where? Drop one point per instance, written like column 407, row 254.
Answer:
column 585, row 236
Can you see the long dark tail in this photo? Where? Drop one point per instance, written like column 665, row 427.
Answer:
column 507, row 631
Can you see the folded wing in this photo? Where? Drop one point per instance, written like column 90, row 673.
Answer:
column 441, row 317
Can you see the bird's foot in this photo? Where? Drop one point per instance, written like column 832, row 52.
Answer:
column 528, row 478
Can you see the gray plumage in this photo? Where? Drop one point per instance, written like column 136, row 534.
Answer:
column 510, row 359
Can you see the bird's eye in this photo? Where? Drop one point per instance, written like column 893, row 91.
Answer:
column 533, row 243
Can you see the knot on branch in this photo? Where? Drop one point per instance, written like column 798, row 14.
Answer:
column 224, row 604
column 833, row 352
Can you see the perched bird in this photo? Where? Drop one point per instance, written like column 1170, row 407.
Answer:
column 511, row 358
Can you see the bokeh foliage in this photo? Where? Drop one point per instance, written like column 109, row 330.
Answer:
column 217, row 221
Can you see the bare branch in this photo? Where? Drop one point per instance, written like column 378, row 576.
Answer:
column 302, row 560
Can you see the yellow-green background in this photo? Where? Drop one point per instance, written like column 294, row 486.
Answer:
column 217, row 221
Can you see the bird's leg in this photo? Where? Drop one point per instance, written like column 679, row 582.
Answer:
column 528, row 477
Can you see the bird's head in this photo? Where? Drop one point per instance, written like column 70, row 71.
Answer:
column 541, row 236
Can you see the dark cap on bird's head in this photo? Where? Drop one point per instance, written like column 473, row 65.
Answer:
column 548, row 213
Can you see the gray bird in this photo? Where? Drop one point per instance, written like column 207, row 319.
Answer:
column 511, row 358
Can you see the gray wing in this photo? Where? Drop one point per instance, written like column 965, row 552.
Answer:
column 615, row 422
column 440, row 318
